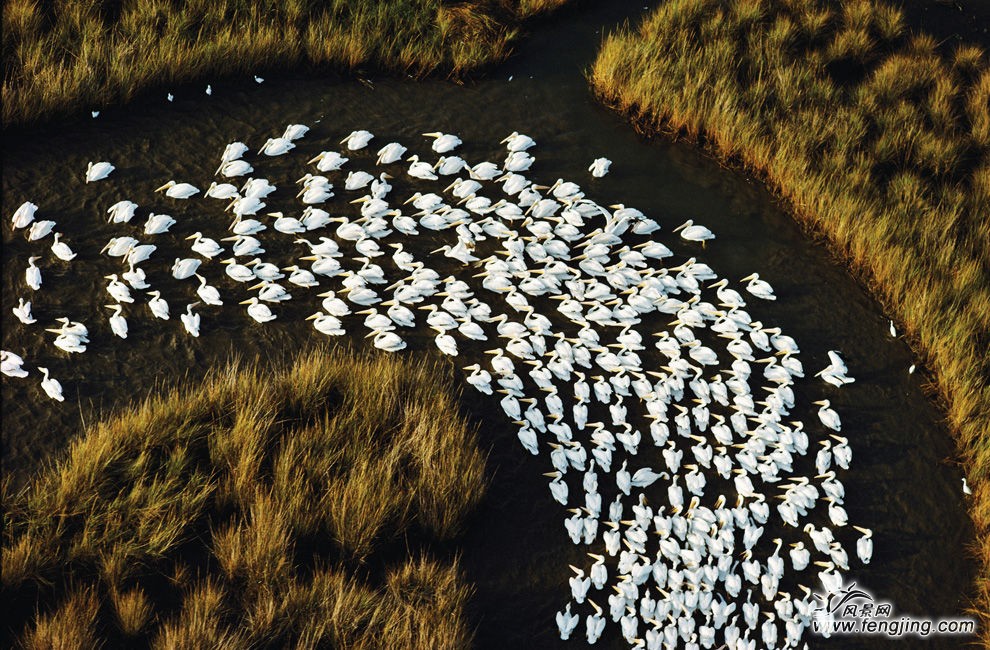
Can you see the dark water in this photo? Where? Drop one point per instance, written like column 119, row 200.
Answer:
column 903, row 482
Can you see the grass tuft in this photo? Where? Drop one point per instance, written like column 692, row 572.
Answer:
column 69, row 56
column 253, row 510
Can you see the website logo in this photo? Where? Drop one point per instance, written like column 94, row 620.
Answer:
column 854, row 611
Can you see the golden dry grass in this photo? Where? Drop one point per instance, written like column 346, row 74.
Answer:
column 879, row 139
column 70, row 55
column 257, row 509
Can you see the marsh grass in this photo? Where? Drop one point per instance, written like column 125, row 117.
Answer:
column 879, row 139
column 69, row 55
column 256, row 509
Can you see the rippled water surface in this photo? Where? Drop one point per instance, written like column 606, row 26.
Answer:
column 902, row 483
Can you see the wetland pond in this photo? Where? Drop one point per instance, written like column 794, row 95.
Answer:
column 902, row 483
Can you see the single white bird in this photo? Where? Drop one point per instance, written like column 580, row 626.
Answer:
column 118, row 324
column 178, row 190
column 23, row 312
column 24, row 215
column 122, row 211
column 185, row 268
column 208, row 293
column 258, row 311
column 61, row 249
column 357, row 139
column 277, row 146
column 32, row 274
column 158, row 305
column 191, row 320
column 51, row 386
column 390, row 153
column 10, row 364
column 40, row 229
column 600, row 167
column 443, row 142
column 98, row 171
column 758, row 287
column 158, row 224
column 692, row 232
column 828, row 416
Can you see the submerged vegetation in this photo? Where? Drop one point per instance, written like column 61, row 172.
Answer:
column 294, row 509
column 63, row 55
column 880, row 140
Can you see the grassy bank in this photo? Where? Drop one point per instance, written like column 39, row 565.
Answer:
column 256, row 510
column 879, row 139
column 72, row 55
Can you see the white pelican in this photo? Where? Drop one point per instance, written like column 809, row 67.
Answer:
column 139, row 253
column 600, row 167
column 40, row 229
column 51, row 386
column 98, row 171
column 287, row 225
column 244, row 245
column 158, row 305
column 258, row 188
column 271, row 291
column 178, row 190
column 329, row 161
column 516, row 141
column 443, row 142
column 326, row 324
column 118, row 324
column 864, row 545
column 357, row 179
column 277, row 146
column 692, row 232
column 238, row 272
column 23, row 312
column 235, row 168
column 357, row 139
column 245, row 206
column 223, row 191
column 207, row 293
column 24, row 215
column 390, row 153
column 449, row 165
column 566, row 622
column 10, row 364
column 205, row 246
column 388, row 341
column 135, row 277
column 484, row 171
column 185, row 268
column 295, row 131
column 421, row 170
column 232, row 151
column 118, row 290
column 32, row 275
column 158, row 223
column 828, row 416
column 191, row 320
column 261, row 313
column 122, row 211
column 518, row 161
column 758, row 287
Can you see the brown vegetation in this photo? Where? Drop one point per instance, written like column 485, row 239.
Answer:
column 256, row 510
column 69, row 55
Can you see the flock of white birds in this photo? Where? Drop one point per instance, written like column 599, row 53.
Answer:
column 686, row 424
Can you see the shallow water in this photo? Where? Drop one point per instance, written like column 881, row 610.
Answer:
column 903, row 483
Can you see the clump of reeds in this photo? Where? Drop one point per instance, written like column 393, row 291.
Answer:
column 879, row 139
column 65, row 55
column 250, row 511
